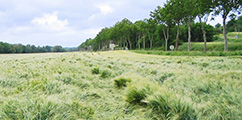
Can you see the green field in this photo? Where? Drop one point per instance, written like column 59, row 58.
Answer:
column 231, row 37
column 234, row 44
column 119, row 85
column 212, row 46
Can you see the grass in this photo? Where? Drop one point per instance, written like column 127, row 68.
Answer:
column 231, row 37
column 191, row 53
column 68, row 86
column 212, row 46
column 95, row 71
column 121, row 82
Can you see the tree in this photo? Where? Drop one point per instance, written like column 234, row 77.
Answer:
column 190, row 14
column 151, row 28
column 164, row 18
column 176, row 9
column 127, row 30
column 204, row 8
column 141, row 32
column 197, row 34
column 58, row 48
column 219, row 28
column 2, row 47
column 19, row 48
column 225, row 7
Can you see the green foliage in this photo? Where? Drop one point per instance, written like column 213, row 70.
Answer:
column 19, row 48
column 106, row 74
column 95, row 71
column 205, row 64
column 136, row 95
column 58, row 49
column 154, row 72
column 121, row 82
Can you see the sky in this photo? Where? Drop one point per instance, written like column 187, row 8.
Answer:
column 67, row 22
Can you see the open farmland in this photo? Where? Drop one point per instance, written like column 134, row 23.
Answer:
column 119, row 85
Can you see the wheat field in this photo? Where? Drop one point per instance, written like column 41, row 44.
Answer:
column 119, row 85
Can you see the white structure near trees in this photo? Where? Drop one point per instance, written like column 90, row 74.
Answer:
column 111, row 46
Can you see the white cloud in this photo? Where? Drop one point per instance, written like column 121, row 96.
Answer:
column 105, row 9
column 36, row 22
column 51, row 21
column 92, row 17
column 1, row 13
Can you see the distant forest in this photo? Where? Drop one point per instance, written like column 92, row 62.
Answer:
column 19, row 48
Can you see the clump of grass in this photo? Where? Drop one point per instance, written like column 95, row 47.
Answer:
column 80, row 110
column 154, row 72
column 109, row 66
column 40, row 109
column 63, row 59
column 105, row 74
column 165, row 76
column 205, row 64
column 95, row 71
column 169, row 106
column 65, row 79
column 34, row 110
column 137, row 94
column 182, row 110
column 159, row 104
column 121, row 82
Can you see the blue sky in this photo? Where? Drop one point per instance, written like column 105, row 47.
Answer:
column 66, row 22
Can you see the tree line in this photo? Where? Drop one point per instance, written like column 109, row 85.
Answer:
column 19, row 48
column 171, row 24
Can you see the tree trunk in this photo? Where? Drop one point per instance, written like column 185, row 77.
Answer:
column 126, row 42
column 130, row 44
column 189, row 35
column 136, row 41
column 118, row 43
column 123, row 43
column 139, row 41
column 166, row 45
column 166, row 35
column 151, row 40
column 177, row 35
column 167, row 38
column 225, row 36
column 120, row 46
column 204, row 34
column 144, row 42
